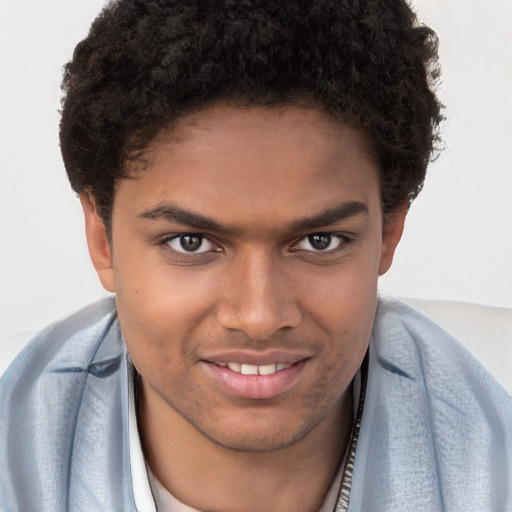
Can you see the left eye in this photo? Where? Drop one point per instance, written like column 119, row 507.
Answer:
column 320, row 242
column 191, row 243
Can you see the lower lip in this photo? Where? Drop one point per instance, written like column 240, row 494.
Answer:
column 255, row 386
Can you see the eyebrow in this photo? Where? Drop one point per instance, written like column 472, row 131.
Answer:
column 331, row 216
column 173, row 213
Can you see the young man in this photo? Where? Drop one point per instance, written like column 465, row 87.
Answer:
column 245, row 169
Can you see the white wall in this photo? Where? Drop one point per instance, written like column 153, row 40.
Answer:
column 458, row 239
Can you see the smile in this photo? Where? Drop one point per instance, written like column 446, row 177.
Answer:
column 255, row 381
column 252, row 369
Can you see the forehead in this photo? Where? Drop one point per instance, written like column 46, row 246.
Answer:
column 230, row 162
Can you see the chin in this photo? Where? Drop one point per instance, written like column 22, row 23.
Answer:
column 257, row 439
column 262, row 444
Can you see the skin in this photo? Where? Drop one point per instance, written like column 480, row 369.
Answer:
column 255, row 183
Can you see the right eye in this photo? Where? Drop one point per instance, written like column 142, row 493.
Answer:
column 191, row 243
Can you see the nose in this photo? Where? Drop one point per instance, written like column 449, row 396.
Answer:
column 258, row 298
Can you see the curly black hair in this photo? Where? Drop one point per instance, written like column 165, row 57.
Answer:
column 145, row 63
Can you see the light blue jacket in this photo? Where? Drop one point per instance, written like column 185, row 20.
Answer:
column 436, row 431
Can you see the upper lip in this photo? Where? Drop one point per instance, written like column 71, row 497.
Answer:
column 255, row 357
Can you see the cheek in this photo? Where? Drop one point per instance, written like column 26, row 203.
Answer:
column 157, row 295
column 344, row 307
column 160, row 309
column 344, row 300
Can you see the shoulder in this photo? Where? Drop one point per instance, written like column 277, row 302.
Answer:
column 436, row 428
column 454, row 328
column 86, row 324
column 62, row 397
column 11, row 346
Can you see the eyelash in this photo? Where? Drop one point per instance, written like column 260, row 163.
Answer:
column 165, row 242
column 342, row 238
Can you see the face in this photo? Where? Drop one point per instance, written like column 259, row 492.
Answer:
column 245, row 256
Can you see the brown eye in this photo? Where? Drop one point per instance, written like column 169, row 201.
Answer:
column 191, row 243
column 321, row 242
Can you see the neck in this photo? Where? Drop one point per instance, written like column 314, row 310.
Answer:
column 296, row 477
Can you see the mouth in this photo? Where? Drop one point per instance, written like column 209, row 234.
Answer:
column 253, row 369
column 246, row 377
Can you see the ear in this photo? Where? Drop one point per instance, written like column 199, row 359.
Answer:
column 391, row 233
column 98, row 243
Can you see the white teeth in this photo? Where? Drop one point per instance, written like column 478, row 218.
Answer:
column 249, row 369
column 252, row 369
column 235, row 367
column 267, row 369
